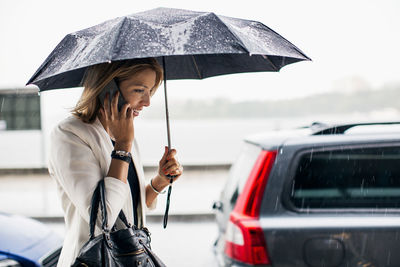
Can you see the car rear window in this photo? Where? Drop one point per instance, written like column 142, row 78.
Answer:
column 239, row 172
column 348, row 178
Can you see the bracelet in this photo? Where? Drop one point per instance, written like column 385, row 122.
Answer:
column 121, row 155
column 155, row 190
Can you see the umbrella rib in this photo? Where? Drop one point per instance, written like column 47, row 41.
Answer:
column 197, row 67
column 295, row 47
column 115, row 41
column 232, row 33
column 270, row 62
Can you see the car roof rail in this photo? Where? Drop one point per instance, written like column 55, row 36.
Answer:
column 342, row 128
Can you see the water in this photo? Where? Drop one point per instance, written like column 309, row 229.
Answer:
column 200, row 142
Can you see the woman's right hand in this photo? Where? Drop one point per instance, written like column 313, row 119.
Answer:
column 119, row 124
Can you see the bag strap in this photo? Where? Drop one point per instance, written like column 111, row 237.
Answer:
column 99, row 199
column 93, row 211
column 104, row 225
column 122, row 217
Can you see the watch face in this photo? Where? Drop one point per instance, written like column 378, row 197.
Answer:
column 123, row 153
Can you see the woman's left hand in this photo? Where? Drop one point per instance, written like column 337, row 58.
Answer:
column 169, row 166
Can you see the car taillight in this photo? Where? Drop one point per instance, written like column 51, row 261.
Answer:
column 244, row 237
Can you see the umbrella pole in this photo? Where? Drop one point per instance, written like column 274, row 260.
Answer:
column 169, row 143
column 166, row 104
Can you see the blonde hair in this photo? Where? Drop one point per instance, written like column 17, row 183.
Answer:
column 98, row 76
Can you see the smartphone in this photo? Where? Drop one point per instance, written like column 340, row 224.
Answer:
column 112, row 88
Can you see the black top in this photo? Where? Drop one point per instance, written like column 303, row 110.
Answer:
column 133, row 182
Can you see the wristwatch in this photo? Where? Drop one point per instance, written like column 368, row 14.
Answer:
column 122, row 155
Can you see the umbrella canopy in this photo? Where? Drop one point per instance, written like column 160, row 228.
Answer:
column 194, row 45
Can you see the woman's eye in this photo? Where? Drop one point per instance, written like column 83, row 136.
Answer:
column 138, row 90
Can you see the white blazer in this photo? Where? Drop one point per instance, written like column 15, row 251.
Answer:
column 79, row 157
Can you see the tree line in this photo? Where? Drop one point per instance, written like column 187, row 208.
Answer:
column 328, row 103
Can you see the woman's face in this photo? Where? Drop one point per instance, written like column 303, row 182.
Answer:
column 138, row 89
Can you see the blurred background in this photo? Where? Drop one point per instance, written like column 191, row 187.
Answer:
column 354, row 76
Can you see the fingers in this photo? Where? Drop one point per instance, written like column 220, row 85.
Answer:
column 168, row 154
column 114, row 105
column 169, row 164
column 164, row 157
column 126, row 111
column 119, row 124
column 173, row 170
column 129, row 113
column 106, row 106
column 102, row 113
column 171, row 154
column 111, row 108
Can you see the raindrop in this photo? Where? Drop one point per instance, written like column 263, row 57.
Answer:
column 362, row 187
column 276, row 203
column 388, row 258
column 2, row 104
column 293, row 186
column 281, row 151
column 38, row 93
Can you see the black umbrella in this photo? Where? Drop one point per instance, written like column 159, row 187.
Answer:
column 189, row 45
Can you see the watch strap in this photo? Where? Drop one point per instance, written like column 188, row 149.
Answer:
column 121, row 155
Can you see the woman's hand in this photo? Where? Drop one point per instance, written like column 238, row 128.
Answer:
column 169, row 165
column 119, row 124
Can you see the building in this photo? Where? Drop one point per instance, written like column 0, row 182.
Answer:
column 21, row 135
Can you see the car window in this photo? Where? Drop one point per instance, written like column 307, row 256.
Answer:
column 239, row 172
column 349, row 178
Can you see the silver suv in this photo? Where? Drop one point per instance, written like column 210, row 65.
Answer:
column 316, row 196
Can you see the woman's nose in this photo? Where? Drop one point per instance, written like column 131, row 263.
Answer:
column 146, row 100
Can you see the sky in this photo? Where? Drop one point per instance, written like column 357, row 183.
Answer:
column 352, row 44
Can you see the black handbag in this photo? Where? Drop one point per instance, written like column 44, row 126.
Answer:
column 124, row 247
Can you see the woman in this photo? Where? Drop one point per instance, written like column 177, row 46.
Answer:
column 93, row 144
